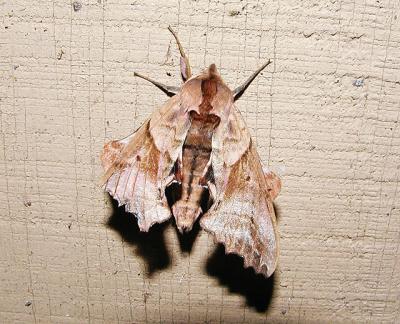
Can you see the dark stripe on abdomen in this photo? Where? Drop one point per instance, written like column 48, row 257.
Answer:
column 197, row 148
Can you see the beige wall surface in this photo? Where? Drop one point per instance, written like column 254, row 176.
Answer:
column 325, row 114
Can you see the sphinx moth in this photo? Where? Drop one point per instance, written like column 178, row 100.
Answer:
column 199, row 143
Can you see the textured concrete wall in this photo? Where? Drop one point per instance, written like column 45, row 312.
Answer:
column 326, row 113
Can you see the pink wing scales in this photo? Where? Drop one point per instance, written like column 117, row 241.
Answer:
column 138, row 166
column 242, row 217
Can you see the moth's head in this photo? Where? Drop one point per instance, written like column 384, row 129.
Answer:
column 212, row 70
column 209, row 73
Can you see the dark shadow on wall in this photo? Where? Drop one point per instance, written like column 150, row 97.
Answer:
column 228, row 269
column 277, row 210
column 150, row 246
column 230, row 272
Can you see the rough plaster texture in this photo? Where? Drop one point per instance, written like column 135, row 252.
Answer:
column 325, row 113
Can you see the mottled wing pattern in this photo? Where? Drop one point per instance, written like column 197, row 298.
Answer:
column 274, row 184
column 230, row 141
column 137, row 167
column 242, row 217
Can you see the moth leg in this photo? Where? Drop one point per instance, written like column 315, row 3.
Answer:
column 213, row 190
column 169, row 90
column 237, row 93
column 186, row 71
column 170, row 179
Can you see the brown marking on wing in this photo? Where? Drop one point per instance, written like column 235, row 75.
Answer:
column 274, row 184
column 111, row 153
column 118, row 155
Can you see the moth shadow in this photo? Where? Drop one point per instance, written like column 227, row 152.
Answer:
column 150, row 246
column 230, row 272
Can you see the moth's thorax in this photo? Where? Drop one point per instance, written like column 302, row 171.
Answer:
column 207, row 92
column 209, row 89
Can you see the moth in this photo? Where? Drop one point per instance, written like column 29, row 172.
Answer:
column 198, row 144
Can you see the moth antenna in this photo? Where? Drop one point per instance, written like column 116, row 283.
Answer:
column 237, row 93
column 186, row 71
column 169, row 90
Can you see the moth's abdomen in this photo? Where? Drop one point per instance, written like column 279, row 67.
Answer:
column 196, row 154
column 186, row 213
